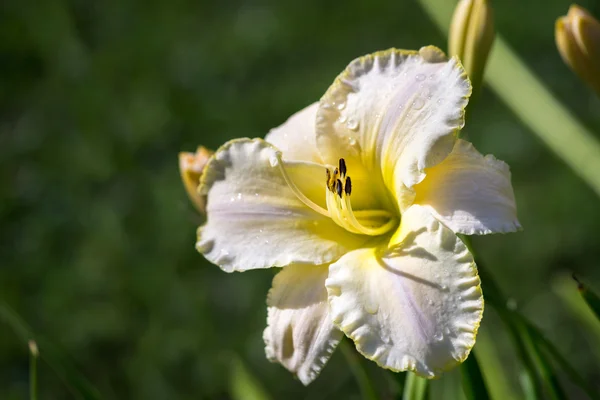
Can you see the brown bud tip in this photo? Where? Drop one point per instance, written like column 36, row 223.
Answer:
column 191, row 166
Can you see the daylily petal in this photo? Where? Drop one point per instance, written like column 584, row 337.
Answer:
column 470, row 193
column 254, row 219
column 296, row 137
column 300, row 334
column 415, row 306
column 396, row 112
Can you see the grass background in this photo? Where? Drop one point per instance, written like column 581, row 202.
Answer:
column 97, row 235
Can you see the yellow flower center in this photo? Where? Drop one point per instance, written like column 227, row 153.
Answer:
column 338, row 189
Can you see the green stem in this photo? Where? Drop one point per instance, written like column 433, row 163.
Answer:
column 364, row 384
column 33, row 356
column 472, row 379
column 415, row 388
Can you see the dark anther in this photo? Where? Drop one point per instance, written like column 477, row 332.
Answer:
column 342, row 167
column 338, row 187
column 335, row 172
column 348, row 186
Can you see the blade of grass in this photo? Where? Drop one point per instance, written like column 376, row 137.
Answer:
column 472, row 379
column 496, row 375
column 244, row 386
column 590, row 297
column 33, row 356
column 362, row 379
column 542, row 365
column 415, row 388
column 549, row 347
column 77, row 384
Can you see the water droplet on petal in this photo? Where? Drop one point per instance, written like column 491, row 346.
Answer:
column 239, row 196
column 431, row 77
column 438, row 337
column 342, row 119
column 341, row 106
column 371, row 308
column 274, row 161
column 352, row 124
column 444, row 287
column 418, row 103
column 420, row 77
column 439, row 102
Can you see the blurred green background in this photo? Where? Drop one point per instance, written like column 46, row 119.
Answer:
column 97, row 234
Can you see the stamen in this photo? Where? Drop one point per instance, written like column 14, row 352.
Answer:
column 348, row 186
column 301, row 196
column 364, row 222
column 342, row 163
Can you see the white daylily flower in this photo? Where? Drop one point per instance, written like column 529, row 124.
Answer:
column 359, row 197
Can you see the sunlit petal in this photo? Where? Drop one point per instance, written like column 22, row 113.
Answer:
column 296, row 137
column 254, row 220
column 396, row 112
column 300, row 334
column 414, row 306
column 470, row 193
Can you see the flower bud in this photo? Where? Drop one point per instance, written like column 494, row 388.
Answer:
column 191, row 166
column 578, row 41
column 471, row 36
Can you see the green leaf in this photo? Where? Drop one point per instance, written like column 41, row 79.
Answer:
column 415, row 388
column 244, row 386
column 591, row 298
column 79, row 386
column 542, row 365
column 362, row 379
column 472, row 379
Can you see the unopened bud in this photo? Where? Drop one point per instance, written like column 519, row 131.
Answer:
column 471, row 37
column 191, row 166
column 578, row 41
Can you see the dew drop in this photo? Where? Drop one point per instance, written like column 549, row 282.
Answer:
column 439, row 102
column 342, row 119
column 231, row 199
column 352, row 124
column 239, row 196
column 431, row 77
column 341, row 106
column 430, row 302
column 438, row 337
column 418, row 103
column 371, row 308
column 444, row 287
column 420, row 77
column 274, row 161
column 255, row 194
column 224, row 253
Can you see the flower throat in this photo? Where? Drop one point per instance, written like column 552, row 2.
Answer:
column 338, row 189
